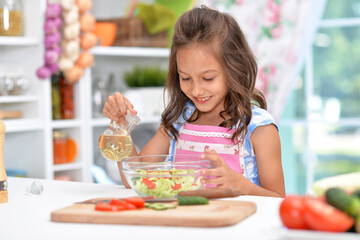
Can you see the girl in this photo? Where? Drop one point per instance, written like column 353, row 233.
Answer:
column 214, row 109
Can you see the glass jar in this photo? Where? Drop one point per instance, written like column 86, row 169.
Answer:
column 55, row 97
column 59, row 145
column 11, row 18
column 67, row 99
column 115, row 143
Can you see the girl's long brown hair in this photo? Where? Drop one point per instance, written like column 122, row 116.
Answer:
column 221, row 33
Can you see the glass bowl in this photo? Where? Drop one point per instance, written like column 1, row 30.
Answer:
column 162, row 177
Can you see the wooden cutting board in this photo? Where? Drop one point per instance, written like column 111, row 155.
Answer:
column 217, row 213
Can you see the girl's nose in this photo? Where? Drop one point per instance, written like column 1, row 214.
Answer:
column 197, row 89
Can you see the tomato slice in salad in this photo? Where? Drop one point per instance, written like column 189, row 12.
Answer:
column 150, row 184
column 323, row 217
column 176, row 186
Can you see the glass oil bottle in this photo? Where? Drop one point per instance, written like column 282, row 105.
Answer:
column 115, row 143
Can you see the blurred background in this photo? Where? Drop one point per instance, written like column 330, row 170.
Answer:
column 308, row 53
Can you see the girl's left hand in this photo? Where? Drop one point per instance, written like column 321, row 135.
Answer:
column 225, row 176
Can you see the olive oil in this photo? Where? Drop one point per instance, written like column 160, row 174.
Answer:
column 115, row 143
column 115, row 147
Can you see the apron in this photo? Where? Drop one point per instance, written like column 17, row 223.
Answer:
column 194, row 139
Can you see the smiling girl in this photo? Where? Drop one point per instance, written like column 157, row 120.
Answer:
column 214, row 109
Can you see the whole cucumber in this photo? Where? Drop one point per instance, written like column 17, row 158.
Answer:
column 356, row 193
column 192, row 200
column 339, row 199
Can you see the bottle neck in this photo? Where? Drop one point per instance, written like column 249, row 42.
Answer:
column 123, row 127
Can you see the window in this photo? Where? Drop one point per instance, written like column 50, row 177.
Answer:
column 320, row 127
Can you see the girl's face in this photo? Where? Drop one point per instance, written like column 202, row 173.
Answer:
column 202, row 78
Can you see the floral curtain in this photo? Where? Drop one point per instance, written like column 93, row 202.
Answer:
column 280, row 33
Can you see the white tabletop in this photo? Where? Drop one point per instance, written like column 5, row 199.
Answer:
column 27, row 216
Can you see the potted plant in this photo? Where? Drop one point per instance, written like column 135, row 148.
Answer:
column 146, row 87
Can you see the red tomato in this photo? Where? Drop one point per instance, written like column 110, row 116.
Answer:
column 136, row 201
column 150, row 184
column 107, row 207
column 323, row 217
column 292, row 210
column 176, row 186
column 126, row 205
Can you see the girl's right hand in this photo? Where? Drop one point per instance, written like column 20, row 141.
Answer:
column 116, row 106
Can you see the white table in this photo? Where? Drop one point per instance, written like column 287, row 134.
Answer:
column 28, row 217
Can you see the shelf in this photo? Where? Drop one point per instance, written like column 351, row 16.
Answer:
column 67, row 166
column 21, row 125
column 18, row 99
column 68, row 123
column 131, row 51
column 18, row 41
column 104, row 122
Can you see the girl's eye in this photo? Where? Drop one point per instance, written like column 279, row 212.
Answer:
column 185, row 79
column 208, row 79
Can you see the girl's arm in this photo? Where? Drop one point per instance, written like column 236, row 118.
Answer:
column 266, row 144
column 158, row 145
column 267, row 148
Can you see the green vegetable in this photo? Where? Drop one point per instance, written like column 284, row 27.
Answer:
column 339, row 199
column 159, row 206
column 165, row 184
column 146, row 77
column 356, row 193
column 357, row 224
column 191, row 200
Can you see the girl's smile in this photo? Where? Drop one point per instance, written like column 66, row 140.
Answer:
column 202, row 100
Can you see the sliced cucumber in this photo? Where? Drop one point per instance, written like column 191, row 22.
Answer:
column 159, row 206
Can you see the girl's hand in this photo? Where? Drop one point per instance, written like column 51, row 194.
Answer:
column 116, row 107
column 225, row 176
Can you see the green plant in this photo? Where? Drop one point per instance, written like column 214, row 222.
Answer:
column 146, row 77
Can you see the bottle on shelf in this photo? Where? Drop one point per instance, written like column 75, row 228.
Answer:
column 11, row 18
column 55, row 97
column 67, row 99
column 59, row 146
column 65, row 148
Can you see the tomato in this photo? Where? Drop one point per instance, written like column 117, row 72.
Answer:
column 136, row 201
column 292, row 210
column 176, row 186
column 321, row 216
column 126, row 205
column 150, row 184
column 107, row 207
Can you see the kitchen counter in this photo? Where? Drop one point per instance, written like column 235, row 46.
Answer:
column 27, row 216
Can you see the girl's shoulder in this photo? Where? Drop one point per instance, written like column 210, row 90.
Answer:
column 260, row 117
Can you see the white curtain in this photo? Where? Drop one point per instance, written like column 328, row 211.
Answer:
column 280, row 33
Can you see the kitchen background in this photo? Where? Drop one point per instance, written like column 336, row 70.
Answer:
column 53, row 127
